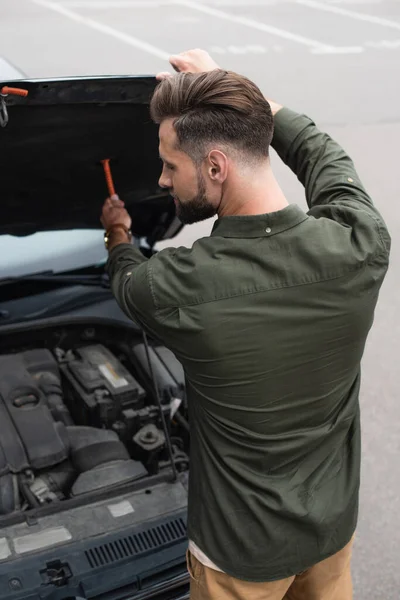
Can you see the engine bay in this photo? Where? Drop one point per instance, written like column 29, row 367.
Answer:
column 85, row 410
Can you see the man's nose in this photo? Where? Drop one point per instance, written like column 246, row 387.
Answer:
column 164, row 181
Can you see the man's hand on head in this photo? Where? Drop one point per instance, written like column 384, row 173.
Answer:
column 199, row 61
column 116, row 221
column 192, row 61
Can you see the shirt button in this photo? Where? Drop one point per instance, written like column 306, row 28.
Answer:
column 350, row 180
column 268, row 230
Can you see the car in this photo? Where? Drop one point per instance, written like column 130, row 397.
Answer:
column 94, row 432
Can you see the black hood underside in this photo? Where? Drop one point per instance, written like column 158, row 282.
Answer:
column 50, row 153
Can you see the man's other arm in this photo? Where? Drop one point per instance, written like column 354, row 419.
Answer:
column 333, row 188
column 332, row 185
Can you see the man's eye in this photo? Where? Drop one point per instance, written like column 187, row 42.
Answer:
column 170, row 167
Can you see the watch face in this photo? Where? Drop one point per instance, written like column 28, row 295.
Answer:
column 128, row 232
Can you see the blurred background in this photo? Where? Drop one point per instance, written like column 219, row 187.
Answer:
column 336, row 60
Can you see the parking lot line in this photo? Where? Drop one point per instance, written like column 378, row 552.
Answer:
column 115, row 33
column 352, row 14
column 316, row 46
column 107, row 4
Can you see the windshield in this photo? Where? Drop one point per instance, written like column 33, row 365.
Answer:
column 56, row 251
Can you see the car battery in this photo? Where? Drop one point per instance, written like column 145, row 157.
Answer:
column 100, row 387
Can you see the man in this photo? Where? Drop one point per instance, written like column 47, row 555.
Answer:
column 269, row 317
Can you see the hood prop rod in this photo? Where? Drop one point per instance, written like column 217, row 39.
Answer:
column 4, row 92
column 159, row 404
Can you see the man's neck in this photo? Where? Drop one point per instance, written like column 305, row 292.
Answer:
column 255, row 194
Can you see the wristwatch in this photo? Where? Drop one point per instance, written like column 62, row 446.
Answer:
column 108, row 233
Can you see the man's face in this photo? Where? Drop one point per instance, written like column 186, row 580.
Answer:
column 184, row 179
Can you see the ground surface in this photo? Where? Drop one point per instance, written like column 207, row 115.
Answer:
column 337, row 60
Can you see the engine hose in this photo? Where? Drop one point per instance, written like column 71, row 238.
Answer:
column 181, row 420
column 26, row 493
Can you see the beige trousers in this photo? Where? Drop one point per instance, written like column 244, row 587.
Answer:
column 329, row 579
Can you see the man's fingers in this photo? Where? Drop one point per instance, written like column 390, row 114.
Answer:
column 114, row 202
column 178, row 63
column 114, row 212
column 193, row 61
column 163, row 75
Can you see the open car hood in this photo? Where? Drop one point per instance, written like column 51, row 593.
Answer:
column 50, row 152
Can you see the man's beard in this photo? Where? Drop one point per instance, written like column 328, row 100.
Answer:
column 198, row 208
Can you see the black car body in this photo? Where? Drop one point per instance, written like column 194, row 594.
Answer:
column 94, row 440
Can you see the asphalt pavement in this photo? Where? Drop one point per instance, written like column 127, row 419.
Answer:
column 336, row 60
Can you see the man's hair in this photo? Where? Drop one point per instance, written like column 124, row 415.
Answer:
column 217, row 107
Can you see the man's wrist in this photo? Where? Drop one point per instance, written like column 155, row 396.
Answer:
column 117, row 234
column 275, row 107
column 288, row 125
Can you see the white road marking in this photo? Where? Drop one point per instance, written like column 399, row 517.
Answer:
column 217, row 50
column 386, row 44
column 248, row 3
column 350, row 13
column 249, row 49
column 355, row 1
column 243, row 50
column 107, row 4
column 339, row 50
column 314, row 45
column 115, row 33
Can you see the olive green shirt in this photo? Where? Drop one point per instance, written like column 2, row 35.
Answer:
column 269, row 317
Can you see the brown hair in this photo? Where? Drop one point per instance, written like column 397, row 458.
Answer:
column 215, row 107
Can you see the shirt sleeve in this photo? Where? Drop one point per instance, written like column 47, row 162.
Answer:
column 332, row 185
column 130, row 277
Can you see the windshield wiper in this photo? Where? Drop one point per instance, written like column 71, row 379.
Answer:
column 96, row 280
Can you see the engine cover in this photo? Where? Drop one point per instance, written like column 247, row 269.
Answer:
column 29, row 437
column 44, row 456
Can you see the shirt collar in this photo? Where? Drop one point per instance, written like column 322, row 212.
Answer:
column 254, row 226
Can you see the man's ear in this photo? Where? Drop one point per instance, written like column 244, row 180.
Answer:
column 217, row 166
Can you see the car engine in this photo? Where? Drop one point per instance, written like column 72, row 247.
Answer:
column 76, row 421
